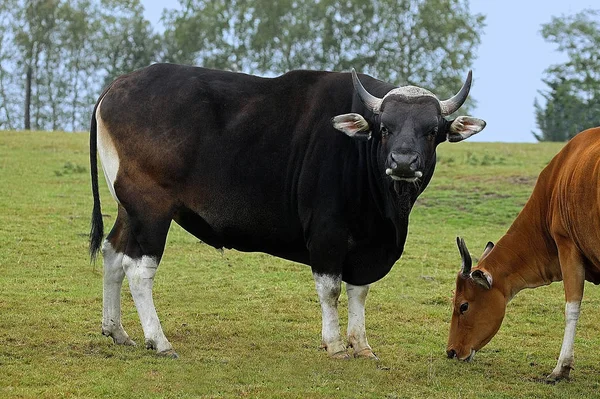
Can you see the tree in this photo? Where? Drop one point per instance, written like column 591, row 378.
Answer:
column 573, row 101
column 127, row 40
column 58, row 54
column 33, row 38
column 9, row 109
column 430, row 43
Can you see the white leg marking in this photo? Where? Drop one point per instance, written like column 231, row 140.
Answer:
column 140, row 275
column 566, row 358
column 329, row 289
column 357, row 335
column 111, row 295
column 107, row 153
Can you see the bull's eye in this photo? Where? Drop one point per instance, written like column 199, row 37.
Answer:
column 433, row 132
column 384, row 131
column 464, row 307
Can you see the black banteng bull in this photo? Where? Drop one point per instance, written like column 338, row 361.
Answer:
column 259, row 164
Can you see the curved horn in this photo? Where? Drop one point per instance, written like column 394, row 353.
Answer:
column 465, row 256
column 369, row 100
column 450, row 105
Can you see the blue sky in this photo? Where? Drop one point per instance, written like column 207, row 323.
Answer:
column 510, row 60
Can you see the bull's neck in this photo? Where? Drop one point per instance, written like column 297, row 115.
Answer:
column 392, row 202
column 526, row 256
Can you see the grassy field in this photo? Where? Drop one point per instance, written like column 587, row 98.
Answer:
column 248, row 325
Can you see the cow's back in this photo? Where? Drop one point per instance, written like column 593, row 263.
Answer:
column 573, row 183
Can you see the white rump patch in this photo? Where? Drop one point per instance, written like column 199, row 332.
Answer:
column 107, row 153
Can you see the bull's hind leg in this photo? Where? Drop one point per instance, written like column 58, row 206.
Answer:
column 112, row 284
column 147, row 237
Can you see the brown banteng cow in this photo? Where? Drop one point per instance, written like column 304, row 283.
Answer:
column 555, row 237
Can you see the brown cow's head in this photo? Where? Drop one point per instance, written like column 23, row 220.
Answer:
column 478, row 307
column 410, row 122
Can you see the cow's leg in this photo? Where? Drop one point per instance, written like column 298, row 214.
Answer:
column 573, row 272
column 357, row 336
column 140, row 275
column 147, row 211
column 140, row 263
column 329, row 288
column 112, row 283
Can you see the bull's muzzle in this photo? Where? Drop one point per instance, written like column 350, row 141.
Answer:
column 403, row 166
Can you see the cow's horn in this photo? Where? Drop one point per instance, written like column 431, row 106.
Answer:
column 369, row 100
column 452, row 104
column 465, row 256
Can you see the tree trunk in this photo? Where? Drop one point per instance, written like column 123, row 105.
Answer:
column 28, row 99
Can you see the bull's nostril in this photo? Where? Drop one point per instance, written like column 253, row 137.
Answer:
column 451, row 354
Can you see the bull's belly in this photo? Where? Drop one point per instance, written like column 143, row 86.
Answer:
column 246, row 235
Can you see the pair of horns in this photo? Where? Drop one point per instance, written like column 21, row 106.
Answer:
column 467, row 261
column 448, row 106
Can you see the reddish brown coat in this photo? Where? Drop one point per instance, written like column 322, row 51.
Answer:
column 555, row 237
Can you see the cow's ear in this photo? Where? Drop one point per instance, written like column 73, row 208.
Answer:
column 354, row 125
column 482, row 278
column 464, row 127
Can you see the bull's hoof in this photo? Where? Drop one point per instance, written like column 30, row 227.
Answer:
column 170, row 354
column 554, row 378
column 336, row 350
column 341, row 355
column 366, row 353
column 128, row 342
column 119, row 338
column 559, row 375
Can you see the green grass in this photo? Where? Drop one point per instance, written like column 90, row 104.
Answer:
column 248, row 325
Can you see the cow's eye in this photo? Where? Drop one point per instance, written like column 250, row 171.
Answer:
column 384, row 131
column 464, row 307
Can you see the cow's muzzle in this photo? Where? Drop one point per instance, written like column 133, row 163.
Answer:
column 451, row 353
column 403, row 166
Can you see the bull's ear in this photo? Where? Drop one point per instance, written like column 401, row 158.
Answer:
column 464, row 127
column 354, row 125
column 482, row 278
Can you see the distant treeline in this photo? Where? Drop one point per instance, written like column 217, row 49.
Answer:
column 56, row 56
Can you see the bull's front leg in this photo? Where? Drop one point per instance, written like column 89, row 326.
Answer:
column 357, row 335
column 329, row 288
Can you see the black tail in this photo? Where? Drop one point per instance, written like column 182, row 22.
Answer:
column 97, row 225
column 97, row 229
